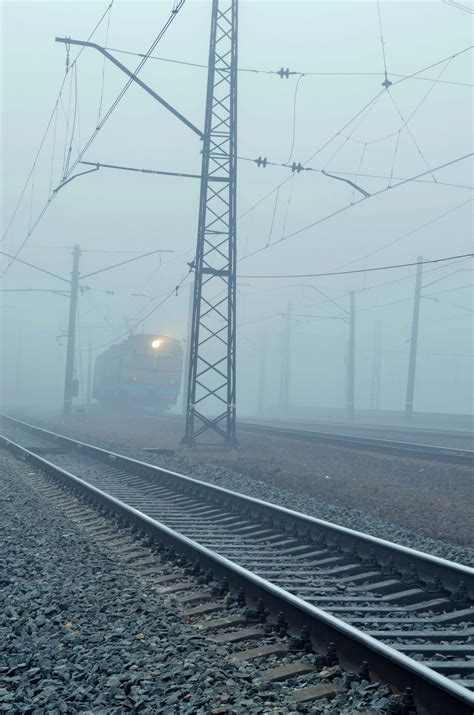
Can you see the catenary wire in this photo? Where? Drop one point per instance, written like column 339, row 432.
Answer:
column 278, row 72
column 359, row 270
column 173, row 292
column 355, row 203
column 99, row 126
column 48, row 124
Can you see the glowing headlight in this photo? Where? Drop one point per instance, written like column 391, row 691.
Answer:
column 155, row 344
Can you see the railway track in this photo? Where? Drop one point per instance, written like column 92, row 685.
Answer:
column 406, row 613
column 374, row 428
column 413, row 450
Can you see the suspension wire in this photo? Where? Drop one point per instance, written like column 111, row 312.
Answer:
column 361, row 270
column 394, row 159
column 323, row 146
column 103, row 121
column 41, row 144
column 67, row 116
column 103, row 71
column 379, row 192
column 53, row 150
column 273, row 218
column 173, row 292
column 382, row 42
column 412, row 136
column 248, row 232
column 435, row 81
column 73, row 128
column 459, row 6
column 78, row 114
column 353, row 173
column 358, row 170
column 356, row 203
column 31, row 200
column 418, row 228
column 288, row 204
column 278, row 72
column 128, row 83
column 294, row 117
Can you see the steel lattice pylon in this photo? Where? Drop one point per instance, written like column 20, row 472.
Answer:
column 211, row 387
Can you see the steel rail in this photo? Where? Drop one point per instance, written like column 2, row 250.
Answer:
column 308, row 424
column 435, row 693
column 427, row 566
column 450, row 455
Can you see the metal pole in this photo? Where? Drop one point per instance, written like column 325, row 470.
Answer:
column 211, row 404
column 413, row 342
column 262, row 378
column 71, row 334
column 351, row 359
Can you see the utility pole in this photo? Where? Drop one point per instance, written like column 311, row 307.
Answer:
column 285, row 361
column 376, row 368
column 413, row 342
column 351, row 359
column 262, row 377
column 71, row 334
column 212, row 394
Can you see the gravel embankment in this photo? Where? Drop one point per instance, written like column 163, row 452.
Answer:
column 81, row 634
column 396, row 499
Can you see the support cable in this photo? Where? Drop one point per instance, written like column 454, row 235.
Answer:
column 273, row 218
column 128, row 83
column 53, row 152
column 32, row 194
column 386, row 83
column 254, row 70
column 355, row 187
column 93, row 136
column 99, row 111
column 325, row 144
column 294, row 118
column 356, row 203
column 73, row 128
column 360, row 270
column 412, row 136
column 394, row 159
column 169, row 295
column 410, row 233
column 288, row 204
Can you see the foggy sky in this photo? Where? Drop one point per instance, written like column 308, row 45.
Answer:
column 120, row 211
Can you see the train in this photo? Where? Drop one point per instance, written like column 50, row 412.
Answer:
column 144, row 370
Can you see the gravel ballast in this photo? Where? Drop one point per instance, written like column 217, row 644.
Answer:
column 81, row 633
column 410, row 504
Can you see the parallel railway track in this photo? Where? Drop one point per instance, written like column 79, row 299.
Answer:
column 407, row 613
column 425, row 452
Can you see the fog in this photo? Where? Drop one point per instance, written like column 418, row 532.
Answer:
column 116, row 215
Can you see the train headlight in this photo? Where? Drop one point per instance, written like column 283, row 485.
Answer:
column 155, row 344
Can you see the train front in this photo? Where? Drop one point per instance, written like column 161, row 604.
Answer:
column 152, row 370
